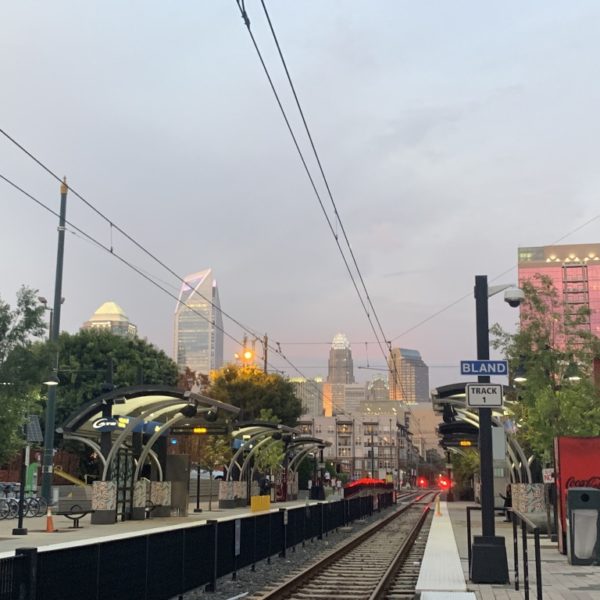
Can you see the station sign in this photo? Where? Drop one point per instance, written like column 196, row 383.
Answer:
column 484, row 395
column 484, row 367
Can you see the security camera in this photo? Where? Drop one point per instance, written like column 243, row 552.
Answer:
column 514, row 296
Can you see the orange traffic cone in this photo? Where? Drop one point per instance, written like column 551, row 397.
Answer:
column 49, row 523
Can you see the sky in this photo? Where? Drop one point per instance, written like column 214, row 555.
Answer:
column 451, row 133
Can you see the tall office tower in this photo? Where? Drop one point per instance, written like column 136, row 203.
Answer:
column 575, row 272
column 408, row 378
column 110, row 317
column 341, row 369
column 198, row 339
column 310, row 393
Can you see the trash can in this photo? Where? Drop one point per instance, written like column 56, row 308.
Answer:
column 583, row 526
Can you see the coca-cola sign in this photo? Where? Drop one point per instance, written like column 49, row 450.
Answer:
column 591, row 482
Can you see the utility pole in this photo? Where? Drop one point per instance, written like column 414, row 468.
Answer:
column 265, row 348
column 47, row 469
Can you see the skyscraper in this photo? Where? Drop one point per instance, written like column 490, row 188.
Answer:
column 340, row 374
column 341, row 368
column 575, row 272
column 111, row 317
column 198, row 339
column 408, row 378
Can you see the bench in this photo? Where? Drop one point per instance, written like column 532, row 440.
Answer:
column 74, row 513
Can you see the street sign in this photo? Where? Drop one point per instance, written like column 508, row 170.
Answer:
column 483, row 395
column 484, row 367
column 548, row 475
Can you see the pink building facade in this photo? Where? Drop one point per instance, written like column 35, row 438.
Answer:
column 575, row 272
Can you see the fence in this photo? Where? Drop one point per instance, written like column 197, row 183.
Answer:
column 526, row 525
column 159, row 566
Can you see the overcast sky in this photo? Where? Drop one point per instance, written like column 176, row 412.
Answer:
column 451, row 133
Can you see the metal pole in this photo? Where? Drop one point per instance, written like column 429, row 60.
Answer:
column 265, row 348
column 372, row 453
column 489, row 561
column 488, row 526
column 198, row 509
column 51, row 405
column 20, row 530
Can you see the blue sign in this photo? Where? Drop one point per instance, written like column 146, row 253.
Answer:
column 484, row 367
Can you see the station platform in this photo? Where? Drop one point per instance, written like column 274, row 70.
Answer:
column 445, row 571
column 67, row 537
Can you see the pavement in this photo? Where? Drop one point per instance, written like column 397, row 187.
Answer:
column 560, row 580
column 66, row 536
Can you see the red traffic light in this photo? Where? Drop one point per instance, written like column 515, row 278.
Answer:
column 443, row 483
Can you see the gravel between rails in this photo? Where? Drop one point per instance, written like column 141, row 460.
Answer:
column 249, row 582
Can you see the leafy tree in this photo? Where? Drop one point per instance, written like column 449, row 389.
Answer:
column 251, row 390
column 18, row 395
column 551, row 341
column 464, row 466
column 215, row 452
column 84, row 363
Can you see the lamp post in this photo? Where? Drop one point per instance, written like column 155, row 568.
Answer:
column 488, row 560
column 51, row 404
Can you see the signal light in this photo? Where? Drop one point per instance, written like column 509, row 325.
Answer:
column 200, row 430
column 443, row 483
column 465, row 443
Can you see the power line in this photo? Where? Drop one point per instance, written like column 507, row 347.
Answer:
column 318, row 159
column 113, row 225
column 139, row 271
column 246, row 19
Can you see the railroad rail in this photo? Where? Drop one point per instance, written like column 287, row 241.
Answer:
column 370, row 565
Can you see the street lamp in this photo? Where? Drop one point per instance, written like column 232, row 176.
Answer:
column 488, row 559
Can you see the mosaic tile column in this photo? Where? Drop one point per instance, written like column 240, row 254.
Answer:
column 104, row 502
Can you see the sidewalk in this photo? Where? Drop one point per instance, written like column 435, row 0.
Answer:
column 560, row 579
column 67, row 536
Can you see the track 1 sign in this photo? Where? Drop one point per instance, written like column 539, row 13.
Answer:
column 483, row 395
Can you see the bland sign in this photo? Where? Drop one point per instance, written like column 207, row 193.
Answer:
column 484, row 367
column 483, row 395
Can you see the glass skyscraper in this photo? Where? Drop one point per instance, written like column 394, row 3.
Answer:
column 198, row 339
column 408, row 378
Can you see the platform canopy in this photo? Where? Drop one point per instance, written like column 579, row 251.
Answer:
column 155, row 404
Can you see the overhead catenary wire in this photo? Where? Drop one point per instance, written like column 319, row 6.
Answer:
column 245, row 18
column 115, row 227
column 320, row 165
column 90, row 238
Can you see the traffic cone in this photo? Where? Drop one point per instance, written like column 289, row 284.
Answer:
column 49, row 523
column 438, row 508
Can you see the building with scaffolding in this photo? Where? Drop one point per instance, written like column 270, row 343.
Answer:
column 574, row 270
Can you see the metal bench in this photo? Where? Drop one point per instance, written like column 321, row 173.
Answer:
column 74, row 513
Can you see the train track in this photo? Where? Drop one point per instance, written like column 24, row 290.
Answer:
column 382, row 562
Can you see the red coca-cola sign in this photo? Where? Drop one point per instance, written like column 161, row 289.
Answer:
column 591, row 482
column 577, row 462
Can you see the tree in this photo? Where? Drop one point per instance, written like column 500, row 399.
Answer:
column 18, row 395
column 552, row 340
column 84, row 363
column 214, row 452
column 464, row 466
column 251, row 390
